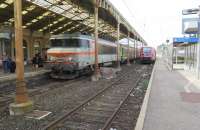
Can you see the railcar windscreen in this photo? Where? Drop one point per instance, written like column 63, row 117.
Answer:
column 146, row 49
column 73, row 43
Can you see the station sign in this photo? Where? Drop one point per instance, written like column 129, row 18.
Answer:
column 190, row 11
column 190, row 25
column 185, row 40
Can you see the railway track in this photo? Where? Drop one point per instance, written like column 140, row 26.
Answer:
column 60, row 99
column 98, row 111
column 108, row 123
column 45, row 89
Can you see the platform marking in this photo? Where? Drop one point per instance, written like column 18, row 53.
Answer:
column 141, row 119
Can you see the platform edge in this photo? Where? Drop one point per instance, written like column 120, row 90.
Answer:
column 142, row 115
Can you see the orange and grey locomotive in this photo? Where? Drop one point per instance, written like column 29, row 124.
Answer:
column 73, row 54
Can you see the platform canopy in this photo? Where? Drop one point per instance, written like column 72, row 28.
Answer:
column 59, row 16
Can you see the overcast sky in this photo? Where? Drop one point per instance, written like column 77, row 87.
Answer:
column 155, row 20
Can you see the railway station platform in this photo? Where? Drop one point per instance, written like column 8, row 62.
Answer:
column 29, row 72
column 172, row 101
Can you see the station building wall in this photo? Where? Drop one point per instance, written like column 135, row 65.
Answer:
column 33, row 43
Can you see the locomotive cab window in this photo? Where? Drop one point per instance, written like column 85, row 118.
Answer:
column 56, row 42
column 146, row 50
column 73, row 43
column 76, row 43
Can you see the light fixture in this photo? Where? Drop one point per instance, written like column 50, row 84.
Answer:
column 40, row 30
column 61, row 19
column 9, row 1
column 3, row 5
column 32, row 7
column 34, row 20
column 24, row 12
column 28, row 24
column 46, row 13
column 11, row 20
column 39, row 17
column 45, row 28
column 55, row 22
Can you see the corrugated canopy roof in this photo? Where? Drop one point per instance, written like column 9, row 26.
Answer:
column 58, row 16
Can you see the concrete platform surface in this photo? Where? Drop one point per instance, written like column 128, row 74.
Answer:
column 29, row 72
column 174, row 102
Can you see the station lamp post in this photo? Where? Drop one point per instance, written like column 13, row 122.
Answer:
column 22, row 103
column 97, row 74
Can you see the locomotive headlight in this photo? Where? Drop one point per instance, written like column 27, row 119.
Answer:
column 52, row 58
column 49, row 58
column 70, row 58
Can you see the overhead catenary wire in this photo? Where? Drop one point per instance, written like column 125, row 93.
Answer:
column 131, row 13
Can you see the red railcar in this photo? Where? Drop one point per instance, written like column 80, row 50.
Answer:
column 147, row 55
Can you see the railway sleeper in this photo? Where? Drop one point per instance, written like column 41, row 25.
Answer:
column 90, row 120
column 99, row 108
column 113, row 98
column 95, row 112
column 93, row 109
column 70, row 125
column 104, row 104
column 122, row 126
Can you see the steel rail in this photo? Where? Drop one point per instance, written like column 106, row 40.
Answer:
column 108, row 122
column 70, row 83
column 53, row 124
